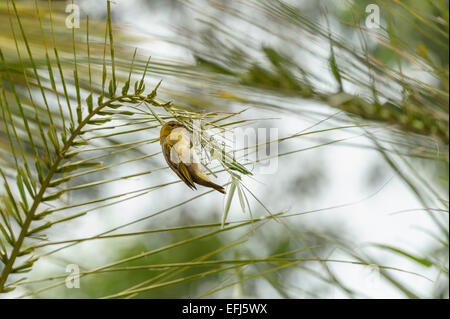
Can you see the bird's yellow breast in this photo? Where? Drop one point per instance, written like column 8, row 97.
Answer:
column 179, row 137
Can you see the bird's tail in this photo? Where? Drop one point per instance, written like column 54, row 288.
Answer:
column 212, row 185
column 219, row 188
column 208, row 183
column 201, row 178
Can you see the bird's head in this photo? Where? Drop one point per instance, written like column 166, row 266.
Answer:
column 168, row 127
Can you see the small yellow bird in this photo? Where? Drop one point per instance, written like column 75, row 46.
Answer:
column 178, row 150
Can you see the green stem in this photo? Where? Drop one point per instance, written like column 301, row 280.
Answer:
column 31, row 213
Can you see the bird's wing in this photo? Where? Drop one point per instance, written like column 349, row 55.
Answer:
column 178, row 167
column 187, row 178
